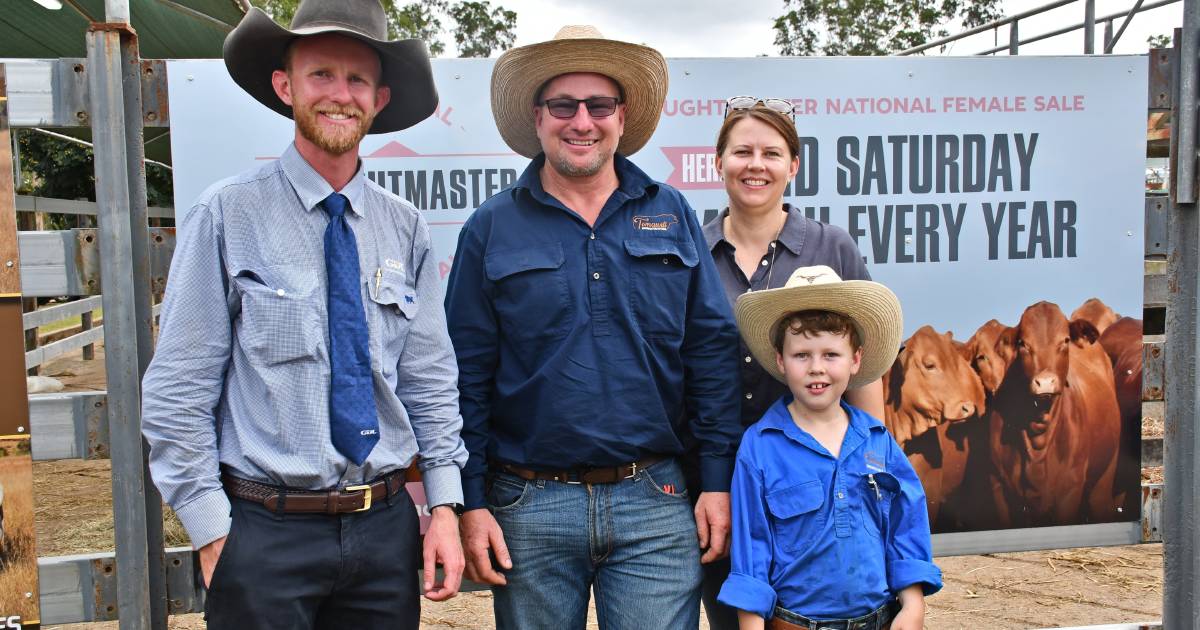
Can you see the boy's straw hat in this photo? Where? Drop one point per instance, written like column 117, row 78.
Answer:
column 519, row 73
column 873, row 308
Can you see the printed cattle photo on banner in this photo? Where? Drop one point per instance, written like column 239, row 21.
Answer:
column 1025, row 425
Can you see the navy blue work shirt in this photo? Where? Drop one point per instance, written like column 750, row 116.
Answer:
column 822, row 536
column 580, row 345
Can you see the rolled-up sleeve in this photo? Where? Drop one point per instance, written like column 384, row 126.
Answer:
column 748, row 586
column 183, row 384
column 427, row 382
column 474, row 331
column 711, row 372
column 909, row 550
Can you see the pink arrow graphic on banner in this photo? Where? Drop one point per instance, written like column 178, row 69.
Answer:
column 693, row 168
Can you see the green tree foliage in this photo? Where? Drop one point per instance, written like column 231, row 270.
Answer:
column 61, row 169
column 56, row 168
column 478, row 32
column 872, row 27
column 419, row 20
column 1159, row 41
column 478, row 29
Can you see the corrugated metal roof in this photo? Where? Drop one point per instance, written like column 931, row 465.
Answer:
column 167, row 29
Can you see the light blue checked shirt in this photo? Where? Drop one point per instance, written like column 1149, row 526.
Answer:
column 240, row 377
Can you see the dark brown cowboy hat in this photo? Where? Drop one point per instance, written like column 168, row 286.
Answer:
column 255, row 49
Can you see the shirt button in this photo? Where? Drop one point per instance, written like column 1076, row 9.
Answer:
column 666, row 261
column 765, row 263
column 281, row 293
column 596, row 276
column 749, row 395
column 841, row 495
column 747, row 358
column 772, row 245
column 592, row 236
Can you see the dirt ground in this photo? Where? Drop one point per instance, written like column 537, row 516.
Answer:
column 1072, row 587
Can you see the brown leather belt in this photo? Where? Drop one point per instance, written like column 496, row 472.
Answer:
column 335, row 501
column 611, row 474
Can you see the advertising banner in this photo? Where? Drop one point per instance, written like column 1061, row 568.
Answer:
column 1000, row 198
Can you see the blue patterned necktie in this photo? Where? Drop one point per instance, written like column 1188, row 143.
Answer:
column 353, row 424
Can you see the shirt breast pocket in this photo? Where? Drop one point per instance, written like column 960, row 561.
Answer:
column 878, row 490
column 395, row 308
column 279, row 320
column 659, row 281
column 796, row 512
column 530, row 291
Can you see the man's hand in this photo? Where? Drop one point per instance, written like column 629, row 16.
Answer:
column 712, row 525
column 209, row 554
column 481, row 532
column 442, row 547
column 912, row 609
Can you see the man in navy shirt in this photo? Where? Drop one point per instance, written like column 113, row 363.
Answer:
column 592, row 333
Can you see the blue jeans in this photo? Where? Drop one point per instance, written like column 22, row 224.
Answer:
column 633, row 541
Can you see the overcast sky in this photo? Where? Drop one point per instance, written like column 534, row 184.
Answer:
column 742, row 28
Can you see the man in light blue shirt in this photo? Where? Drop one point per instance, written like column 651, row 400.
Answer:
column 303, row 361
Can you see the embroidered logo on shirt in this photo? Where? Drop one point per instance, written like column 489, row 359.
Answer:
column 408, row 299
column 656, row 223
column 874, row 462
column 394, row 264
column 368, row 432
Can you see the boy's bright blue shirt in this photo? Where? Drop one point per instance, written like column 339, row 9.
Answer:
column 811, row 533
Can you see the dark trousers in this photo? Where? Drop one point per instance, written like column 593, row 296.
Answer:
column 299, row 571
column 720, row 616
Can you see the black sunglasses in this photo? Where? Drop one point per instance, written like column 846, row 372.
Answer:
column 597, row 106
column 785, row 107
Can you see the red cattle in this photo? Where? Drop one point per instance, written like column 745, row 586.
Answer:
column 1096, row 312
column 1054, row 424
column 1122, row 342
column 931, row 393
column 989, row 353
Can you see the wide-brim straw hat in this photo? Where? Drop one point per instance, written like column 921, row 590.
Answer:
column 873, row 308
column 520, row 72
column 255, row 49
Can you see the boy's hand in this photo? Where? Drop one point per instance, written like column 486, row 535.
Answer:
column 750, row 621
column 912, row 609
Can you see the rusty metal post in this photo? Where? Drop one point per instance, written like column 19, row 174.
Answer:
column 1181, row 536
column 114, row 85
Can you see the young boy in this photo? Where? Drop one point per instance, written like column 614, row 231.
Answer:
column 830, row 528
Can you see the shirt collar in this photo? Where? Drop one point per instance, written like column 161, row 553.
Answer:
column 632, row 181
column 794, row 229
column 778, row 418
column 312, row 189
column 792, row 234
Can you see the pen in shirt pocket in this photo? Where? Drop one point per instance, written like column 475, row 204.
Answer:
column 378, row 278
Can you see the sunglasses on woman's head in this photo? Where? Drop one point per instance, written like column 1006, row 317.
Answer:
column 785, row 107
column 597, row 106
